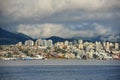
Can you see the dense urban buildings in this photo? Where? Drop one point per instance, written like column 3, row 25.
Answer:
column 45, row 49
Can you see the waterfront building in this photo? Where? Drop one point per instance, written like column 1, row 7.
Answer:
column 78, row 56
column 91, row 53
column 69, row 55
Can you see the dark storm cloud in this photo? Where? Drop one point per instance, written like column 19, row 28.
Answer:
column 44, row 18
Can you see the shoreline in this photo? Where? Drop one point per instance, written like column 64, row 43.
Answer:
column 59, row 62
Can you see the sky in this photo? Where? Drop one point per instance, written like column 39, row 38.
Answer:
column 63, row 18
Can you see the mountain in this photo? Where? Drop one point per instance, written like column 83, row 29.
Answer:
column 7, row 37
column 58, row 39
column 111, row 38
column 89, row 39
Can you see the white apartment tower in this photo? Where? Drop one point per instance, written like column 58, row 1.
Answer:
column 39, row 42
column 66, row 43
column 45, row 43
column 49, row 43
column 29, row 43
column 117, row 46
column 107, row 46
column 80, row 41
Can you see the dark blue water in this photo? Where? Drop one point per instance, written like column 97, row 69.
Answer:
column 74, row 72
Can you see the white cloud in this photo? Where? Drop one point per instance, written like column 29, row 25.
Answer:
column 101, row 29
column 62, row 30
column 65, row 31
column 41, row 30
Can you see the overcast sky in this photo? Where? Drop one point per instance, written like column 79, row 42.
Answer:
column 64, row 18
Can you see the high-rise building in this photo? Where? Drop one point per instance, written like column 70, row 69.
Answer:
column 97, row 46
column 39, row 42
column 66, row 43
column 80, row 46
column 80, row 41
column 75, row 42
column 49, row 43
column 117, row 46
column 19, row 44
column 29, row 43
column 70, row 43
column 45, row 43
column 107, row 46
column 91, row 53
column 104, row 44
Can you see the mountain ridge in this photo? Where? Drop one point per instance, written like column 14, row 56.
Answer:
column 7, row 37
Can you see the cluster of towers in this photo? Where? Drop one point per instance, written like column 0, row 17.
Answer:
column 39, row 42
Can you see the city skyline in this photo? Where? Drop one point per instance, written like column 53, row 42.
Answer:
column 45, row 49
column 63, row 18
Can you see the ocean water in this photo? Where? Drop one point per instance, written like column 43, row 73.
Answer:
column 60, row 72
